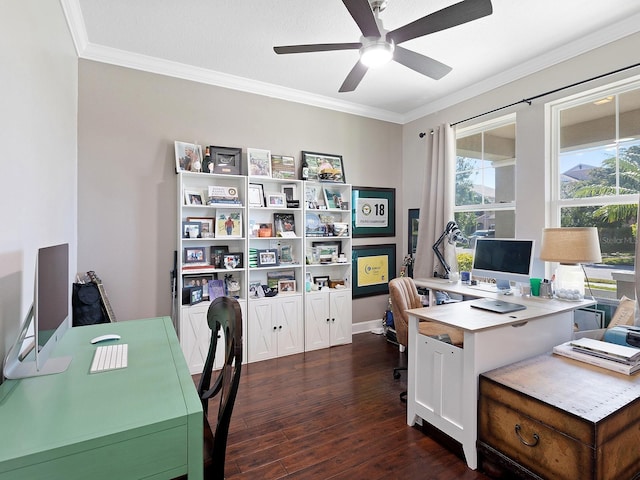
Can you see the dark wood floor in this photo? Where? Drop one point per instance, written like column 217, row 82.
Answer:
column 332, row 414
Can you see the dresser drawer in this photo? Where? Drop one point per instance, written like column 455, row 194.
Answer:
column 532, row 444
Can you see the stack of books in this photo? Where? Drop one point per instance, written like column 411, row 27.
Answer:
column 223, row 196
column 618, row 358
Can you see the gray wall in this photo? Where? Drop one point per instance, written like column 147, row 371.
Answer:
column 38, row 109
column 532, row 142
column 128, row 121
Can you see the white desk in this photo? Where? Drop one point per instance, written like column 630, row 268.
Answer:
column 443, row 379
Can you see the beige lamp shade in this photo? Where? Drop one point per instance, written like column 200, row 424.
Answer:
column 571, row 245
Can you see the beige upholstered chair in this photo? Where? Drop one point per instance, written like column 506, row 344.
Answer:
column 404, row 296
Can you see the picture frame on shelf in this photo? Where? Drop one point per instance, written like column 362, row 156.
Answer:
column 283, row 166
column 285, row 224
column 333, row 198
column 195, row 256
column 286, row 254
column 225, row 160
column 192, row 295
column 372, row 267
column 286, row 286
column 202, row 281
column 276, row 200
column 314, row 197
column 228, row 223
column 188, row 157
column 216, row 255
column 256, row 195
column 219, row 195
column 321, row 280
column 274, row 277
column 290, row 191
column 193, row 197
column 373, row 212
column 331, row 248
column 259, row 162
column 191, row 229
column 255, row 289
column 206, row 225
column 267, row 258
column 324, row 167
column 232, row 260
column 216, row 289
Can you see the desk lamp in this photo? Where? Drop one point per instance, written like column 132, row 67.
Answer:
column 453, row 235
column 571, row 247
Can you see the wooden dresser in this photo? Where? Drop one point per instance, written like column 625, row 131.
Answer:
column 555, row 418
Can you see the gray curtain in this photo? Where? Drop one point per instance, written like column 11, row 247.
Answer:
column 436, row 207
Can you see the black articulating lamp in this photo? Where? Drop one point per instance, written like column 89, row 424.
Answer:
column 453, row 235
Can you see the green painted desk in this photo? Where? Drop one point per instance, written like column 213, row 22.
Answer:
column 144, row 421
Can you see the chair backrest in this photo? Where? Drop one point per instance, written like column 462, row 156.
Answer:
column 404, row 296
column 224, row 315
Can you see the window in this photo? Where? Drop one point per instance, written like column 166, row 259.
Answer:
column 485, row 200
column 595, row 166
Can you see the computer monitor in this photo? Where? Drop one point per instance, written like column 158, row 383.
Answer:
column 47, row 320
column 503, row 259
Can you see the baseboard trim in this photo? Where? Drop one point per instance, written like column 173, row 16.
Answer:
column 364, row 327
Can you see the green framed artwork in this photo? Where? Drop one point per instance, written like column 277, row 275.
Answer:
column 374, row 212
column 372, row 268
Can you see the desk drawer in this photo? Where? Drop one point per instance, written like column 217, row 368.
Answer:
column 532, row 444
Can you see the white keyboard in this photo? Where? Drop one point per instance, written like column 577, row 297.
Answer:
column 110, row 357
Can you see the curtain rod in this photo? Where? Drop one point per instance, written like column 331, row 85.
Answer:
column 549, row 92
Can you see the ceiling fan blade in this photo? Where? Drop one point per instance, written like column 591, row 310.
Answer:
column 318, row 47
column 420, row 63
column 448, row 17
column 361, row 12
column 353, row 79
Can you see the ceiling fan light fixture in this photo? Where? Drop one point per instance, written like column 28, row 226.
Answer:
column 376, row 53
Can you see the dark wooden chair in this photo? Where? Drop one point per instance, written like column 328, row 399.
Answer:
column 404, row 296
column 224, row 315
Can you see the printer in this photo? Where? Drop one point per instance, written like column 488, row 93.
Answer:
column 627, row 335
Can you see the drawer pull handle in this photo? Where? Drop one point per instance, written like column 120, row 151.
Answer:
column 536, row 438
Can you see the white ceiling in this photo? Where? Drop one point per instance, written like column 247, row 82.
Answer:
column 230, row 43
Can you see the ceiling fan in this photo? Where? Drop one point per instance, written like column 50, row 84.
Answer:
column 378, row 46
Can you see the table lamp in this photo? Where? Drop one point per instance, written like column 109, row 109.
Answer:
column 571, row 247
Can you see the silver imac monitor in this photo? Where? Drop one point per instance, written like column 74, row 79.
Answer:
column 503, row 259
column 47, row 321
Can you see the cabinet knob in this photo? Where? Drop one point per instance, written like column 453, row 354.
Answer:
column 280, row 327
column 333, row 319
column 328, row 320
column 275, row 328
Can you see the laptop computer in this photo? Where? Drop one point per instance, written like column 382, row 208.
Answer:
column 496, row 306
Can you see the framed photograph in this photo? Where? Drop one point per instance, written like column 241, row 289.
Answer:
column 313, row 196
column 286, row 286
column 267, row 258
column 327, row 248
column 333, row 198
column 285, row 224
column 276, row 276
column 193, row 197
column 224, row 160
column 256, row 195
column 255, row 289
column 286, row 254
column 259, row 162
column 228, row 223
column 283, row 166
column 188, row 157
column 232, row 260
column 198, row 281
column 195, row 255
column 191, row 229
column 372, row 268
column 216, row 289
column 290, row 191
column 206, row 225
column 321, row 281
column 324, row 167
column 276, row 200
column 374, row 212
column 216, row 255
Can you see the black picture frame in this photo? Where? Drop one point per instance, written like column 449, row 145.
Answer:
column 379, row 263
column 195, row 255
column 267, row 258
column 373, row 212
column 226, row 160
column 315, row 160
column 191, row 229
column 412, row 237
column 232, row 260
column 216, row 255
column 195, row 281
